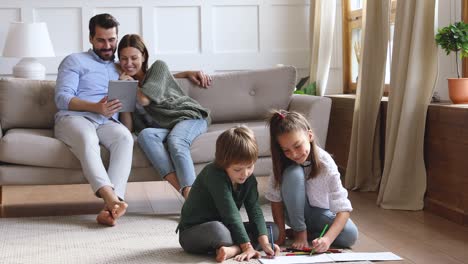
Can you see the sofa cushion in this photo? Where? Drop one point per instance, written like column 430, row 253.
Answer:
column 248, row 95
column 38, row 147
column 26, row 103
column 203, row 147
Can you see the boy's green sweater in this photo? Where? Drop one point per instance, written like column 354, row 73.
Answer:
column 212, row 198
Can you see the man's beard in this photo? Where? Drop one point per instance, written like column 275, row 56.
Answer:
column 99, row 52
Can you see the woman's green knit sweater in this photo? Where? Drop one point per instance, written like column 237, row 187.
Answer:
column 169, row 104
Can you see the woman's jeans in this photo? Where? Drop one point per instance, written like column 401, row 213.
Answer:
column 301, row 216
column 176, row 157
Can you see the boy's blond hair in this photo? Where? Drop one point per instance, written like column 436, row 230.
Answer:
column 236, row 145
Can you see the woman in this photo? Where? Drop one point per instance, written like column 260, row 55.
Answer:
column 164, row 114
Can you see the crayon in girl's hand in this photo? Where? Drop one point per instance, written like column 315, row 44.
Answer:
column 321, row 235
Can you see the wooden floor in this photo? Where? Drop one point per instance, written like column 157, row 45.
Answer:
column 418, row 237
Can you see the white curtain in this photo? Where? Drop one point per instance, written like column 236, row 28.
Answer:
column 412, row 81
column 363, row 171
column 322, row 26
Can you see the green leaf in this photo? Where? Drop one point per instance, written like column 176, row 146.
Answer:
column 453, row 38
column 311, row 89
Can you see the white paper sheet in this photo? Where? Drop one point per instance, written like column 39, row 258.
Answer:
column 298, row 259
column 355, row 256
column 322, row 258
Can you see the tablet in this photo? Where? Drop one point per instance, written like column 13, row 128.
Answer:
column 125, row 91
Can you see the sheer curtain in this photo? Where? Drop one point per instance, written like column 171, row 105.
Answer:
column 412, row 81
column 322, row 26
column 363, row 171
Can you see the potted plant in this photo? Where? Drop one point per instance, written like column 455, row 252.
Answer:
column 454, row 37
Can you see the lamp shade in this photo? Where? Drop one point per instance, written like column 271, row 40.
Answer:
column 28, row 40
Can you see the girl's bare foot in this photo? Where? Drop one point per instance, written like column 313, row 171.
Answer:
column 105, row 218
column 223, row 253
column 300, row 239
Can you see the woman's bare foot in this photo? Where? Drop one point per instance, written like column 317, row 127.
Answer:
column 223, row 253
column 105, row 218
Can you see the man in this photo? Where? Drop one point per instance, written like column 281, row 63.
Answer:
column 86, row 119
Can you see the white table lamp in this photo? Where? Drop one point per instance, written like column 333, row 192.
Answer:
column 28, row 41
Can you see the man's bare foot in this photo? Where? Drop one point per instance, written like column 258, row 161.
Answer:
column 223, row 253
column 105, row 218
column 118, row 209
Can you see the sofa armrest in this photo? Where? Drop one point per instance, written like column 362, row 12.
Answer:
column 317, row 111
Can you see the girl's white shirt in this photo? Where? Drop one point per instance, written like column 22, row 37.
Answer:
column 324, row 191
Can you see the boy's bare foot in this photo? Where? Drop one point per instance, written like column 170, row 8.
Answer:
column 223, row 253
column 105, row 218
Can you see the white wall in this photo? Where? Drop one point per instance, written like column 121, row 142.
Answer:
column 213, row 35
column 449, row 12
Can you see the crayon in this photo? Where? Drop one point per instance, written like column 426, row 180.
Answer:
column 321, row 235
column 298, row 254
column 307, row 249
column 270, row 233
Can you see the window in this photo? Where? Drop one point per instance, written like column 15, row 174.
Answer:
column 352, row 27
column 465, row 19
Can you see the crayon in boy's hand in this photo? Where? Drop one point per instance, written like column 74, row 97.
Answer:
column 270, row 236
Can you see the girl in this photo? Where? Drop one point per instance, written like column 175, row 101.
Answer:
column 210, row 220
column 164, row 114
column 305, row 188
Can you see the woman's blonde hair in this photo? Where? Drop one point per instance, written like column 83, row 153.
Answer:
column 282, row 122
column 236, row 145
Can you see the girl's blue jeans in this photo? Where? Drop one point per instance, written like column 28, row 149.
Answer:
column 299, row 215
column 176, row 156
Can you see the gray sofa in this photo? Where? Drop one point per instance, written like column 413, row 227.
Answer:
column 30, row 155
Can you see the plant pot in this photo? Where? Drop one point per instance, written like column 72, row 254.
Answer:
column 458, row 90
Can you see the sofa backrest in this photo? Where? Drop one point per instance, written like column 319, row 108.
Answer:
column 26, row 103
column 237, row 96
column 245, row 95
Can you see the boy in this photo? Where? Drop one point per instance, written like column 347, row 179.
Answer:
column 210, row 220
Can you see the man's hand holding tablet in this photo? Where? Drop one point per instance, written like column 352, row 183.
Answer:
column 125, row 91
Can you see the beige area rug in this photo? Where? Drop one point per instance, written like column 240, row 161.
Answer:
column 138, row 238
column 78, row 239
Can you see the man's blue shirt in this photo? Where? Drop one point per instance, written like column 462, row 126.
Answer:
column 86, row 76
